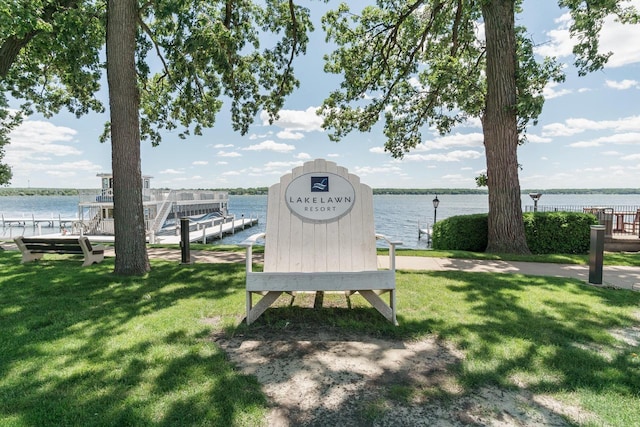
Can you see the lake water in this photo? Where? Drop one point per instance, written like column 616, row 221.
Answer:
column 396, row 216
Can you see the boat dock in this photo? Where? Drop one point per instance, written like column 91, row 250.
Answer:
column 424, row 230
column 35, row 222
column 206, row 233
column 203, row 232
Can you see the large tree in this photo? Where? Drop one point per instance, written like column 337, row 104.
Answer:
column 49, row 60
column 424, row 63
column 124, row 106
column 203, row 51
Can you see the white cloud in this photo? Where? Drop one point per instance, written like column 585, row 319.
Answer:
column 559, row 44
column 629, row 138
column 270, row 145
column 200, row 163
column 452, row 156
column 303, row 156
column 472, row 122
column 287, row 134
column 614, row 38
column 573, row 126
column 475, row 139
column 223, row 146
column 39, row 140
column 39, row 131
column 228, row 154
column 536, row 139
column 296, row 120
column 584, row 144
column 270, row 166
column 371, row 170
column 622, row 85
column 458, row 179
column 255, row 136
column 550, row 91
column 172, row 172
column 61, row 170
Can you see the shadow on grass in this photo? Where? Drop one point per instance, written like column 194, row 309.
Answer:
column 81, row 346
column 540, row 334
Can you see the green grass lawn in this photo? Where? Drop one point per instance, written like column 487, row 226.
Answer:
column 83, row 347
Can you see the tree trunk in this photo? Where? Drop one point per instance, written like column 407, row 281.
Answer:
column 500, row 128
column 124, row 103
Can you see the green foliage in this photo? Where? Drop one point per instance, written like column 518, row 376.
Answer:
column 115, row 351
column 461, row 232
column 242, row 51
column 587, row 21
column 205, row 50
column 421, row 64
column 136, row 351
column 546, row 232
column 558, row 232
column 40, row 191
column 49, row 60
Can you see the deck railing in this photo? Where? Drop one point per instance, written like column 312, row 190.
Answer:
column 156, row 195
column 619, row 220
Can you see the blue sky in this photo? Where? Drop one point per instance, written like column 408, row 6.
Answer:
column 588, row 135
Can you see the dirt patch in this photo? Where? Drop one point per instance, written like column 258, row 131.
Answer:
column 330, row 378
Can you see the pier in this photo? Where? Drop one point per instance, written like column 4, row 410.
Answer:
column 206, row 232
column 34, row 222
column 203, row 231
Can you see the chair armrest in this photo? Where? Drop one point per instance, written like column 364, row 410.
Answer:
column 248, row 243
column 252, row 240
column 386, row 239
column 392, row 249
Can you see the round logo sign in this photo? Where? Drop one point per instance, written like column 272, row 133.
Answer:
column 320, row 196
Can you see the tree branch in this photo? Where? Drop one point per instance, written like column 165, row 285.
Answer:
column 148, row 31
column 12, row 46
column 294, row 25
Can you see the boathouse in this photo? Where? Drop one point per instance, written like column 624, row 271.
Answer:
column 162, row 207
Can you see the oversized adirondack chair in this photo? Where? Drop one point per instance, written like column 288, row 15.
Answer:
column 320, row 237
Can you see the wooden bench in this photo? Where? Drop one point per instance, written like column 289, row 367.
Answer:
column 33, row 248
column 320, row 237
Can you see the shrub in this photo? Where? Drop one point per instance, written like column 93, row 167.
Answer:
column 546, row 232
column 558, row 232
column 462, row 232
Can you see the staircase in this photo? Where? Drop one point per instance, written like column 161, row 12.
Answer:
column 163, row 213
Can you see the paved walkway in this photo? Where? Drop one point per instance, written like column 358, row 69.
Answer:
column 613, row 276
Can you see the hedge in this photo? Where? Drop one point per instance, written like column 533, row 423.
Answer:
column 546, row 232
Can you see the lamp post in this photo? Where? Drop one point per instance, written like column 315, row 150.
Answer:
column 535, row 197
column 436, row 202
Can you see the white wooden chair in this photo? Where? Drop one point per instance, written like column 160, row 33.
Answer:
column 320, row 237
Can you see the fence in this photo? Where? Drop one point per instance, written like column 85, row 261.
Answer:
column 619, row 220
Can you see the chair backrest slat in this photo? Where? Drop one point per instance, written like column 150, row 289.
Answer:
column 302, row 245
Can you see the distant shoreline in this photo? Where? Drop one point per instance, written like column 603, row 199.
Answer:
column 9, row 191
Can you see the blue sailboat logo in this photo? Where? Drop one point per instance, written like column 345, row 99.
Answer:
column 319, row 184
